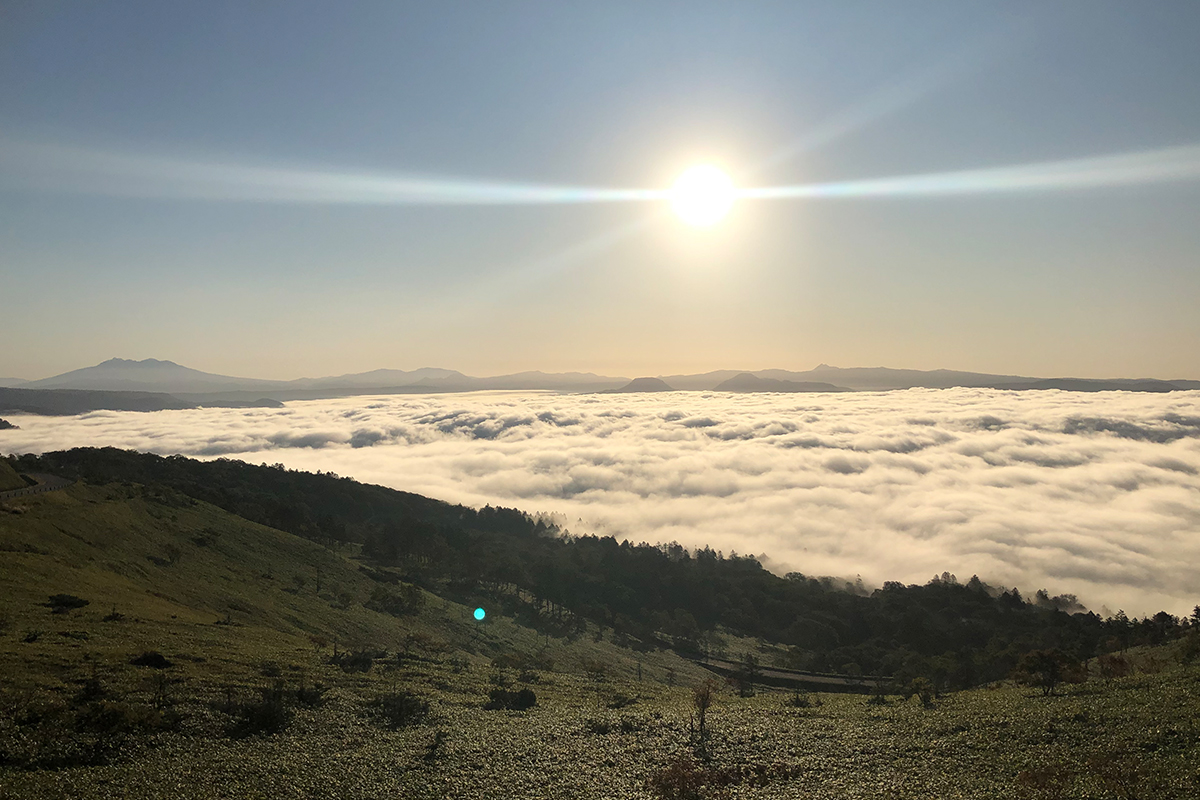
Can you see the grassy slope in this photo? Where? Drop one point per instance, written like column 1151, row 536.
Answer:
column 114, row 546
column 9, row 479
column 174, row 567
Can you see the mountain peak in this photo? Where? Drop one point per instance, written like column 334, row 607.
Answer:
column 129, row 362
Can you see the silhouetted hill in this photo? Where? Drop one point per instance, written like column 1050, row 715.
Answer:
column 55, row 402
column 5, row 425
column 747, row 382
column 61, row 402
column 153, row 375
column 644, row 385
column 194, row 386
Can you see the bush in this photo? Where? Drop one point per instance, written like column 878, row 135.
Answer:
column 621, row 701
column 1046, row 669
column 311, row 696
column 512, row 701
column 923, row 689
column 152, row 659
column 400, row 710
column 359, row 660
column 407, row 599
column 1113, row 665
column 62, row 603
column 266, row 716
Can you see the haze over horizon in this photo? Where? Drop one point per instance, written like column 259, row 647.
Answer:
column 281, row 191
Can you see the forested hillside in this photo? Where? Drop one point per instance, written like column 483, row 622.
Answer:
column 954, row 633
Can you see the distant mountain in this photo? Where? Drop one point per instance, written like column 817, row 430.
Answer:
column 535, row 380
column 378, row 378
column 643, row 385
column 703, row 381
column 192, row 386
column 747, row 382
column 150, row 375
column 883, row 378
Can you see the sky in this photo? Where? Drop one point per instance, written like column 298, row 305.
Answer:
column 281, row 190
column 1093, row 494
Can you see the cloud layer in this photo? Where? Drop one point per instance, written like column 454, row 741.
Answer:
column 1095, row 494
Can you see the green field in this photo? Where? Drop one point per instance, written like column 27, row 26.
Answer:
column 283, row 683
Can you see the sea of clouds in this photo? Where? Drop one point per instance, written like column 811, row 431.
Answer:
column 1092, row 494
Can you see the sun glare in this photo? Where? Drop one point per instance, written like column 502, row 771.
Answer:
column 702, row 195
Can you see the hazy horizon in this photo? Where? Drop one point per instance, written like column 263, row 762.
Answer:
column 602, row 373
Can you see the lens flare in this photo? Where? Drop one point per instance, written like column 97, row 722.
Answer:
column 702, row 195
column 480, row 614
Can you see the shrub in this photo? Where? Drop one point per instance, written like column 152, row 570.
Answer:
column 407, row 599
column 400, row 709
column 434, row 749
column 1113, row 665
column 266, row 716
column 621, row 701
column 62, row 603
column 512, row 701
column 358, row 660
column 798, row 699
column 152, row 659
column 1189, row 650
column 923, row 689
column 1046, row 669
column 311, row 696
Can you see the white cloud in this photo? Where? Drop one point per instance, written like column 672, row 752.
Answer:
column 1095, row 494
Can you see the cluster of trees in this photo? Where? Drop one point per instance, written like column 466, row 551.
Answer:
column 954, row 634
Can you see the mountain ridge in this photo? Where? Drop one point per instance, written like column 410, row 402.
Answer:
column 197, row 387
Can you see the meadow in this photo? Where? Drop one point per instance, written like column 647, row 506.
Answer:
column 217, row 658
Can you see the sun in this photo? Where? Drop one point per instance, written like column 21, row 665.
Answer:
column 702, row 195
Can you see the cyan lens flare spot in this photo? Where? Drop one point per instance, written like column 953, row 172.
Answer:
column 480, row 614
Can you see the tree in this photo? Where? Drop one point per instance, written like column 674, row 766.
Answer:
column 703, row 695
column 1046, row 669
column 746, row 676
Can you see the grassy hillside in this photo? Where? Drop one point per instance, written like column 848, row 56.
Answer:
column 957, row 634
column 9, row 479
column 275, row 686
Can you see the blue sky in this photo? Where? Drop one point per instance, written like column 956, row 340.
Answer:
column 1100, row 281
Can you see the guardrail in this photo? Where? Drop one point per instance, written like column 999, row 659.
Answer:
column 45, row 483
